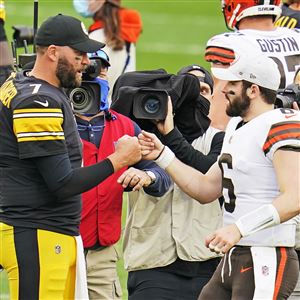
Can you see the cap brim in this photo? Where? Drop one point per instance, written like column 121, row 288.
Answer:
column 224, row 74
column 102, row 60
column 88, row 46
column 107, row 63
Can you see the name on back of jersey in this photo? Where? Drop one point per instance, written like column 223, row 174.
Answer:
column 288, row 44
column 8, row 91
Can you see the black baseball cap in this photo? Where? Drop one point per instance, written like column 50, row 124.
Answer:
column 62, row 30
column 207, row 76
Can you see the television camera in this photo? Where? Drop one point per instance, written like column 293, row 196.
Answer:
column 86, row 97
column 143, row 97
column 286, row 97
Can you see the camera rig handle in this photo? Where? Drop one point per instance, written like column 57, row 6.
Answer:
column 22, row 37
column 35, row 20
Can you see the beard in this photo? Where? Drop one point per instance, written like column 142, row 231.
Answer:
column 239, row 105
column 66, row 74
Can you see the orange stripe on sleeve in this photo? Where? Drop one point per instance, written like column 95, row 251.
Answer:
column 280, row 272
column 218, row 58
column 283, row 127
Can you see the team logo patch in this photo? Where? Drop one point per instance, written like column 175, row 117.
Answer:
column 57, row 249
column 265, row 270
column 84, row 29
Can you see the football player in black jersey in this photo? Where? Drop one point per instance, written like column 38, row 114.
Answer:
column 41, row 177
column 290, row 15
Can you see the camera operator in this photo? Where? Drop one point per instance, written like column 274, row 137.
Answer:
column 6, row 59
column 119, row 27
column 41, row 176
column 164, row 250
column 100, row 226
column 296, row 104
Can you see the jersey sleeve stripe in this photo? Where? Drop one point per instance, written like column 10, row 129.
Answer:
column 283, row 126
column 223, row 55
column 280, row 132
column 47, row 137
column 38, row 125
column 37, row 110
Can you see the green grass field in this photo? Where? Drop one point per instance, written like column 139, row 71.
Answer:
column 175, row 33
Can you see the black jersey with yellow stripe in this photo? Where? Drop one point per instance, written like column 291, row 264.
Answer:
column 36, row 120
column 289, row 17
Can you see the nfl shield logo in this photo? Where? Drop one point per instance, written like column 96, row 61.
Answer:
column 265, row 270
column 57, row 249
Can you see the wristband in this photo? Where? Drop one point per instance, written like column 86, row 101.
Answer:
column 165, row 158
column 260, row 218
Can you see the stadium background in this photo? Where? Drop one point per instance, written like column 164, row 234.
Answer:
column 175, row 33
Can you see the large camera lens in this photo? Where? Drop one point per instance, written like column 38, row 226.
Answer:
column 80, row 98
column 86, row 98
column 151, row 105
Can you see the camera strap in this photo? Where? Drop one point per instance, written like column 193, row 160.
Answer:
column 127, row 46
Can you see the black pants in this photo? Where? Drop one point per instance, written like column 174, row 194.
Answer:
column 155, row 284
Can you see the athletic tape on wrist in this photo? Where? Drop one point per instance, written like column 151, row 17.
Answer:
column 165, row 158
column 260, row 218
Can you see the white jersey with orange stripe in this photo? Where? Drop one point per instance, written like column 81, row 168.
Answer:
column 249, row 179
column 281, row 44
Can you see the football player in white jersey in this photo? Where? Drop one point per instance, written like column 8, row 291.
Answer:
column 253, row 22
column 258, row 174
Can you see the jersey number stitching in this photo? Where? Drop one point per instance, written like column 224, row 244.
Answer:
column 229, row 204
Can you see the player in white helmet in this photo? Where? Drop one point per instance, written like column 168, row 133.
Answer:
column 253, row 25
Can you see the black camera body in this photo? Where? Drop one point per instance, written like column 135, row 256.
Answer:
column 23, row 33
column 147, row 103
column 86, row 98
column 143, row 97
column 286, row 97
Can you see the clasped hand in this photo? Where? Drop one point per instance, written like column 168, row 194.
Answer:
column 134, row 178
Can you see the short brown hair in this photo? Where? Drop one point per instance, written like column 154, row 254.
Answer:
column 268, row 95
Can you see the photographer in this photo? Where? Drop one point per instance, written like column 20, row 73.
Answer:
column 41, row 177
column 163, row 239
column 100, row 226
column 296, row 104
column 6, row 59
column 119, row 27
